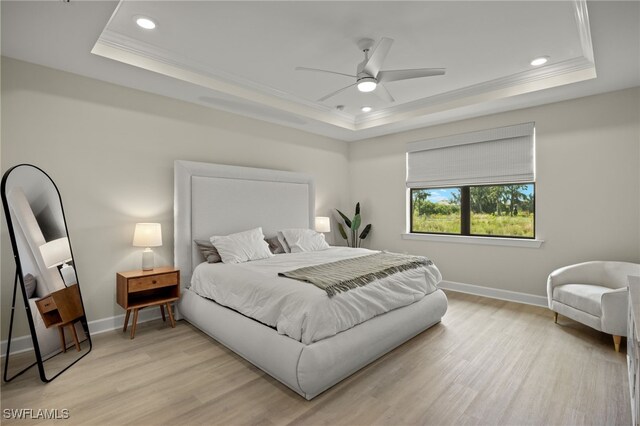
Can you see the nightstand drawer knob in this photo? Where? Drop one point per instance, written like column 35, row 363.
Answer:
column 155, row 282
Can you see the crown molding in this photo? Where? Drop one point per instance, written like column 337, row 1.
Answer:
column 122, row 48
column 569, row 71
column 241, row 95
column 584, row 28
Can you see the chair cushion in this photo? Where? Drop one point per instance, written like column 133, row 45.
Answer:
column 585, row 297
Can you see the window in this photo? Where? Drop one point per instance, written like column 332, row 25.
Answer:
column 476, row 184
column 489, row 210
column 436, row 210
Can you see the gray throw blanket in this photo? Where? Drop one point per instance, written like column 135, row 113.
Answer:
column 344, row 275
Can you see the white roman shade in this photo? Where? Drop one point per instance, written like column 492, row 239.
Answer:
column 493, row 156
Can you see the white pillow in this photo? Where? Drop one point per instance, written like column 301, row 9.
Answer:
column 300, row 240
column 283, row 242
column 242, row 246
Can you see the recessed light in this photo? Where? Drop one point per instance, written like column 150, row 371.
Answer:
column 366, row 109
column 367, row 84
column 540, row 61
column 145, row 23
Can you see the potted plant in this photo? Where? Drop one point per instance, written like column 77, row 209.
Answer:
column 352, row 237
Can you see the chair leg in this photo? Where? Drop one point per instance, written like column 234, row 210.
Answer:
column 616, row 342
column 555, row 317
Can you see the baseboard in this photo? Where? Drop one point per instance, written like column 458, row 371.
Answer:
column 495, row 293
column 24, row 343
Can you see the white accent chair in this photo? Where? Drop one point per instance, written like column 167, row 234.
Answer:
column 593, row 293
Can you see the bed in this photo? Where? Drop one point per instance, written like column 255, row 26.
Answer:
column 211, row 199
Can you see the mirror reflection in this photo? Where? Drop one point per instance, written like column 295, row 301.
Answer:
column 46, row 273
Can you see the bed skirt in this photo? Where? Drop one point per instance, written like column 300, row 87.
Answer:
column 311, row 369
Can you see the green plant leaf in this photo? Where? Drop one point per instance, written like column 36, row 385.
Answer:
column 365, row 232
column 356, row 222
column 358, row 207
column 345, row 218
column 342, row 231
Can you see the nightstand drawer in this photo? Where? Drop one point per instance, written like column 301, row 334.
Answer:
column 46, row 305
column 153, row 281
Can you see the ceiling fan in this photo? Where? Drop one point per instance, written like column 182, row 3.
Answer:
column 370, row 78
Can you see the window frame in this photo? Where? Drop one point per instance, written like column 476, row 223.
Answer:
column 465, row 212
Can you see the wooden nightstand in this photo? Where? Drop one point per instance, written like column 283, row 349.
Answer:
column 62, row 308
column 139, row 289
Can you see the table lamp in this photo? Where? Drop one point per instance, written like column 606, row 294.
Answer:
column 147, row 235
column 323, row 224
column 58, row 252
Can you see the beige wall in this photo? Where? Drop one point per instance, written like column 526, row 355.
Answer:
column 111, row 149
column 587, row 192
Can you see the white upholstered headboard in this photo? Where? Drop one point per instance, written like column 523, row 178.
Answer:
column 216, row 199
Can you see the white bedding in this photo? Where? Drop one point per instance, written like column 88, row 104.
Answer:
column 301, row 310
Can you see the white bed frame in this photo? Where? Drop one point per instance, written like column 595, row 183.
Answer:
column 213, row 199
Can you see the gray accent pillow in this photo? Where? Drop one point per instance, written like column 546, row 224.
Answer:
column 208, row 251
column 283, row 242
column 274, row 245
column 29, row 285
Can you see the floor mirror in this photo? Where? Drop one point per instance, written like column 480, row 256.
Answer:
column 46, row 278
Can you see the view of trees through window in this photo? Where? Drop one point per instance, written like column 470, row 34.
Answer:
column 496, row 210
column 436, row 210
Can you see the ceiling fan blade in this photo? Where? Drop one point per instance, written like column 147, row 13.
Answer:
column 373, row 65
column 324, row 98
column 383, row 93
column 395, row 75
column 329, row 72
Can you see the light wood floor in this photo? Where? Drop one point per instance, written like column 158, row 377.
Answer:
column 488, row 362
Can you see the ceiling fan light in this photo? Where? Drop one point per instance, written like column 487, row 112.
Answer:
column 367, row 84
column 366, row 109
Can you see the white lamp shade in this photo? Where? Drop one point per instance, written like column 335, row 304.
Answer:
column 56, row 252
column 147, row 235
column 323, row 224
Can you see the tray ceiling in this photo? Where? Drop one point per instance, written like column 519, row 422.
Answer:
column 241, row 56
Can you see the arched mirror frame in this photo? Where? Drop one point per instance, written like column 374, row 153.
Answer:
column 19, row 277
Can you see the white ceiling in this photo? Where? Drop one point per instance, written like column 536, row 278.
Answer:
column 240, row 56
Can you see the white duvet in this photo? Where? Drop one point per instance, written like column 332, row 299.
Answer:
column 301, row 310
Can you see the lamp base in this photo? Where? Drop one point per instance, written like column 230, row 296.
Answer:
column 68, row 274
column 147, row 260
